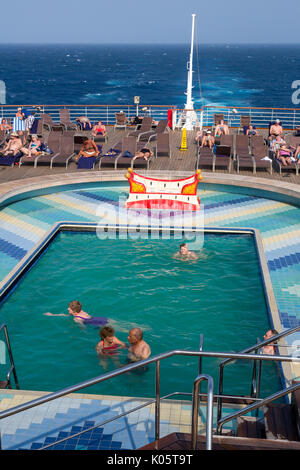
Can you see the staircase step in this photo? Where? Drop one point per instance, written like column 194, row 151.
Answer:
column 248, row 426
column 182, row 441
column 280, row 422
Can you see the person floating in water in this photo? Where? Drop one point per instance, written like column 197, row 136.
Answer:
column 185, row 253
column 109, row 343
column 138, row 349
column 79, row 316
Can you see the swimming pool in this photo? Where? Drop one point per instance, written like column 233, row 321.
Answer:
column 138, row 283
column 25, row 222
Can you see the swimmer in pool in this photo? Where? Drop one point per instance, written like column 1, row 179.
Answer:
column 79, row 316
column 138, row 349
column 109, row 343
column 185, row 253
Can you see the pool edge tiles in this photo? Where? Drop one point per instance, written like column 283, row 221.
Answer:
column 73, row 414
column 45, row 424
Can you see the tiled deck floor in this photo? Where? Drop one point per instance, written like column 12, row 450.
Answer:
column 55, row 420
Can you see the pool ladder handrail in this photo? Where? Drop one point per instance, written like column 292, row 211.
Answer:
column 129, row 367
column 255, row 388
column 12, row 364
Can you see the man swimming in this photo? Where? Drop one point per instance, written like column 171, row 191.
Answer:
column 185, row 253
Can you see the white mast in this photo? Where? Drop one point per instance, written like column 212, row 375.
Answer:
column 189, row 118
column 189, row 102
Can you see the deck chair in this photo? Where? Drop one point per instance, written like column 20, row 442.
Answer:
column 152, row 135
column 128, row 152
column 141, row 162
column 294, row 166
column 218, row 118
column 128, row 145
column 63, row 151
column 222, row 157
column 145, row 127
column 205, row 158
column 259, row 155
column 121, row 121
column 241, row 145
column 50, row 125
column 65, row 120
column 10, row 160
column 163, row 148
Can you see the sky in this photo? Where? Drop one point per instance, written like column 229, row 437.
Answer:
column 149, row 21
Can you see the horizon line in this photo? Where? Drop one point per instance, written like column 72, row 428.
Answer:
column 149, row 44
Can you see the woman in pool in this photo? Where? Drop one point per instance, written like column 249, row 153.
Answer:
column 79, row 316
column 109, row 343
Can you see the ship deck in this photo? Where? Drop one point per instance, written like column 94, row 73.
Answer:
column 179, row 161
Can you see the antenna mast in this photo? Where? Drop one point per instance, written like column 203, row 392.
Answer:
column 189, row 118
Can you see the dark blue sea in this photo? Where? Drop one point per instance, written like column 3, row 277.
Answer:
column 236, row 75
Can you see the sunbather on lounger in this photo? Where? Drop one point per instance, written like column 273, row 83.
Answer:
column 4, row 126
column 13, row 146
column 99, row 128
column 221, row 129
column 88, row 149
column 275, row 130
column 143, row 153
column 251, row 130
column 207, row 140
column 34, row 146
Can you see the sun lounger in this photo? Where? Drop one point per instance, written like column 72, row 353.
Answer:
column 222, row 157
column 10, row 160
column 50, row 125
column 206, row 158
column 152, row 135
column 65, row 120
column 64, row 154
column 293, row 167
column 128, row 148
column 262, row 159
column 163, row 148
column 121, row 121
column 145, row 127
column 54, row 142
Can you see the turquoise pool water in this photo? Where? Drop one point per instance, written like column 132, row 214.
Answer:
column 138, row 283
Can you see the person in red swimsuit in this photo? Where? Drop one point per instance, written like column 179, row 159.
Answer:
column 109, row 343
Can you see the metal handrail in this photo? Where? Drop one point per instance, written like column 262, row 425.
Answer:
column 129, row 367
column 247, row 409
column 150, row 402
column 255, row 347
column 13, row 367
column 209, row 410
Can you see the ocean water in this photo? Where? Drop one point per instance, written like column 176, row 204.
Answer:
column 238, row 75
